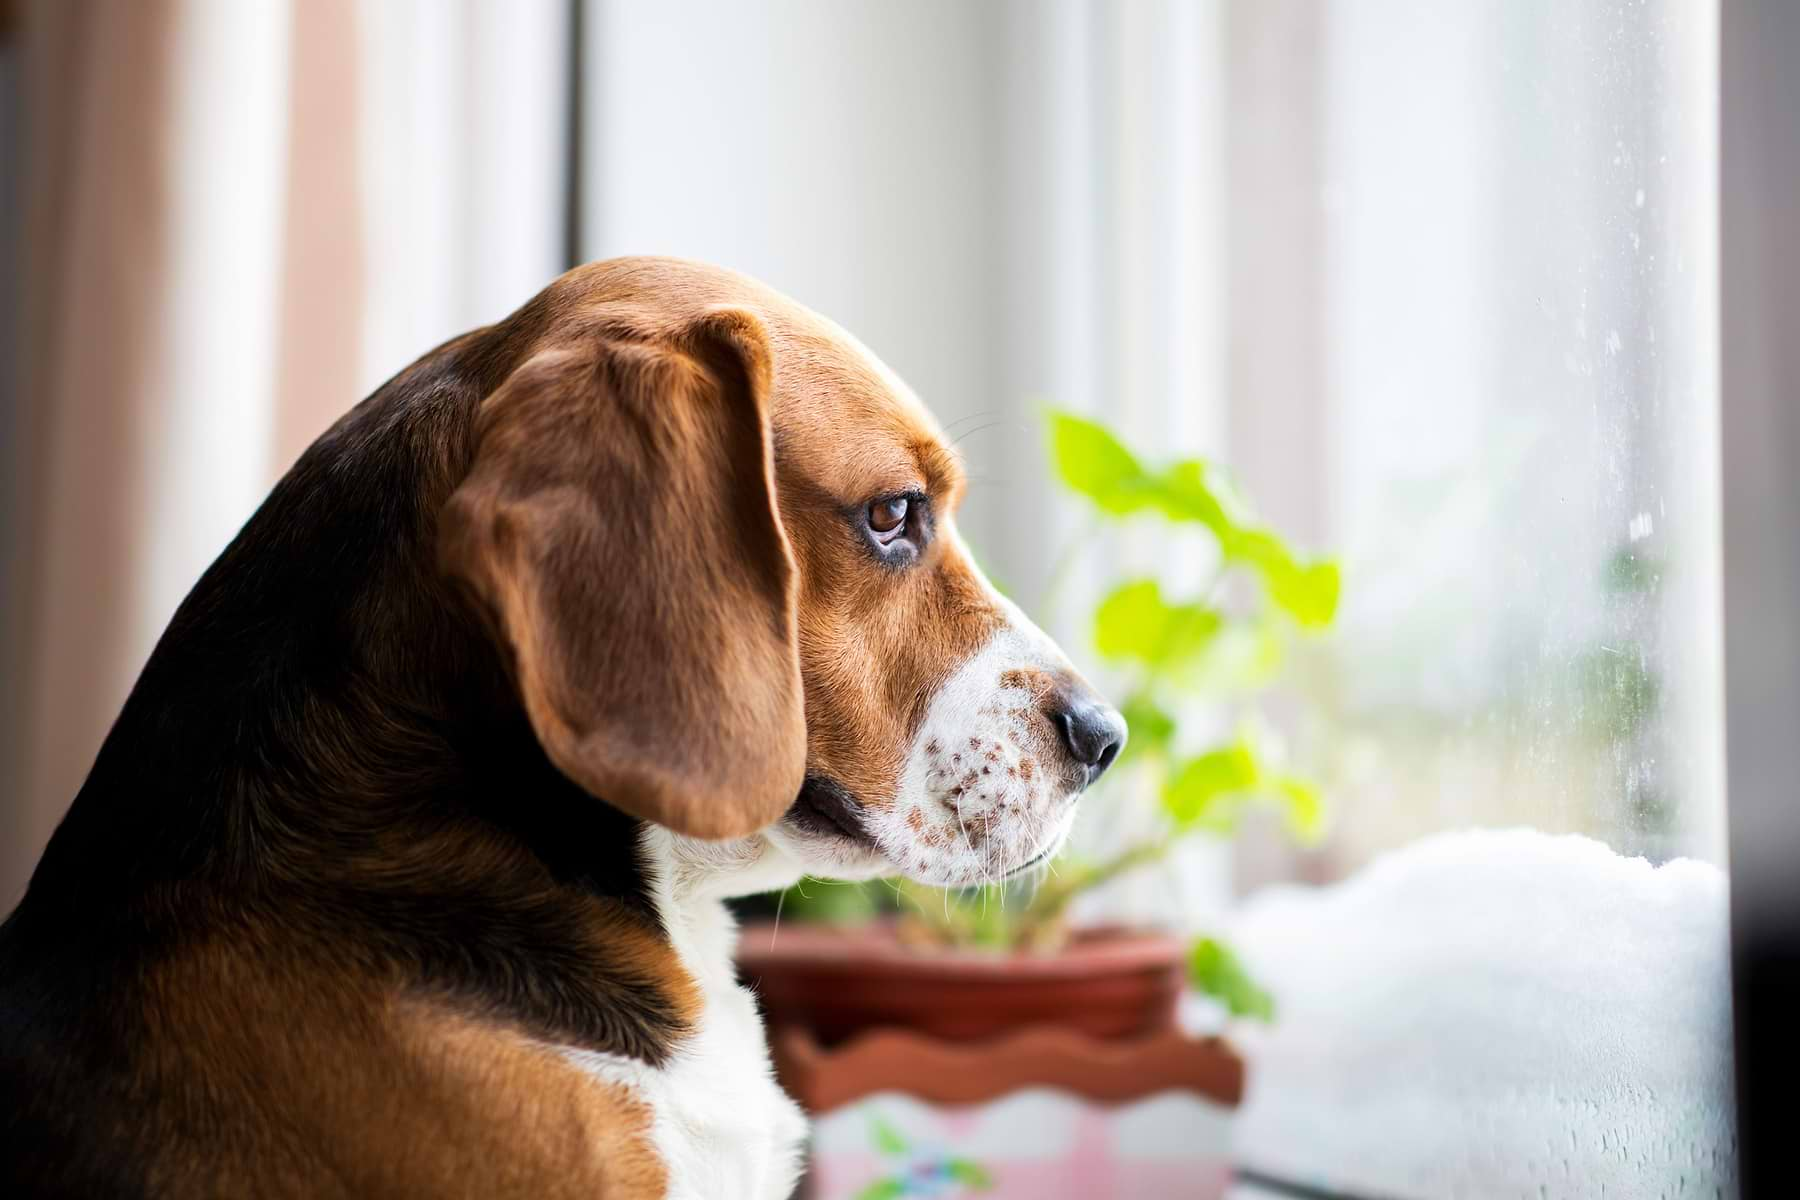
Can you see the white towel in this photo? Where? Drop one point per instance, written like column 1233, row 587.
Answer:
column 1494, row 1014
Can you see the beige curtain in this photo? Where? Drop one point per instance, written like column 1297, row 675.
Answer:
column 242, row 215
column 191, row 320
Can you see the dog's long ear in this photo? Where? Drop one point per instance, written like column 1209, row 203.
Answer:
column 619, row 525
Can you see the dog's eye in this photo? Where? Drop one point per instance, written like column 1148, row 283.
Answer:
column 897, row 527
column 887, row 518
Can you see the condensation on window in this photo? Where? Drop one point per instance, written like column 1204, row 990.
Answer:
column 1522, row 386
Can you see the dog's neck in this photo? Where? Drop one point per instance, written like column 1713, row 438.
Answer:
column 694, row 871
column 319, row 675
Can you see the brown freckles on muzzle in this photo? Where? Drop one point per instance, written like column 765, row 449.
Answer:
column 1090, row 731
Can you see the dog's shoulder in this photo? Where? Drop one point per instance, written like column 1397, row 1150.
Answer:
column 240, row 1060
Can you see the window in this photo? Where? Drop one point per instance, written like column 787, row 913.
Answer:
column 1519, row 407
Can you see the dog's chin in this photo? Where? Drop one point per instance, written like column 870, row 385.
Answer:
column 820, row 846
column 960, row 874
column 828, row 856
column 1045, row 856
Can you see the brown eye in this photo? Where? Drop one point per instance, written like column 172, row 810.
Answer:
column 886, row 516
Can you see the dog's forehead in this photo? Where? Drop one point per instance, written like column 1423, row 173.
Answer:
column 836, row 407
column 835, row 401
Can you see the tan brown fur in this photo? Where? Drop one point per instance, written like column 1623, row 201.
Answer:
column 302, row 1084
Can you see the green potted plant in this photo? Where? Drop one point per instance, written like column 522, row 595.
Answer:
column 975, row 963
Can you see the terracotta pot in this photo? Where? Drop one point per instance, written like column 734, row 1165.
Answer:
column 837, row 983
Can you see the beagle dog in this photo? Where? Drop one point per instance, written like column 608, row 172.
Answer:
column 402, row 872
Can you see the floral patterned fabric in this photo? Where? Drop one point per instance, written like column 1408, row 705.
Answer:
column 1037, row 1144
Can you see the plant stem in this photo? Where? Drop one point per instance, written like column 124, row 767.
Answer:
column 1046, row 909
column 1065, row 563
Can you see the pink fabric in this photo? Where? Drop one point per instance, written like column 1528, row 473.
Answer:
column 1090, row 1166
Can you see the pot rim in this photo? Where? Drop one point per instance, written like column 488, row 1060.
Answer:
column 874, row 949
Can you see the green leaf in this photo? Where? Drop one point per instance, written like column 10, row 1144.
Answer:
column 1134, row 621
column 1193, row 793
column 883, row 1189
column 1129, row 622
column 970, row 1173
column 1302, row 806
column 1308, row 592
column 1262, row 549
column 1185, row 493
column 887, row 1139
column 1149, row 727
column 1096, row 464
column 1093, row 462
column 1216, row 971
column 1211, row 791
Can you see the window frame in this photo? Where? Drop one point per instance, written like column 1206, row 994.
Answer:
column 1760, row 360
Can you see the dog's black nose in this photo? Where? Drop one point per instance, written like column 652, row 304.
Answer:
column 1094, row 734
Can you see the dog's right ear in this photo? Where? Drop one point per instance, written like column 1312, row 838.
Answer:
column 619, row 528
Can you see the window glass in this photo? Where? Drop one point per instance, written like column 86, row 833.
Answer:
column 1521, row 404
column 1517, row 410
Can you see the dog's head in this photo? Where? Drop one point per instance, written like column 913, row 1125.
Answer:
column 717, row 539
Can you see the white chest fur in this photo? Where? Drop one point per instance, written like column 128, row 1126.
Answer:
column 720, row 1122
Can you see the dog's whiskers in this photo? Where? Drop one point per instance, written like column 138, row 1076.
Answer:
column 967, row 433
column 950, row 426
column 774, row 929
